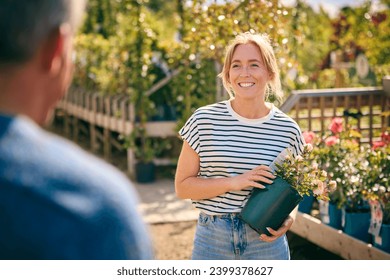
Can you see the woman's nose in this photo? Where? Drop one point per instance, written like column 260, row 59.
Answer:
column 244, row 72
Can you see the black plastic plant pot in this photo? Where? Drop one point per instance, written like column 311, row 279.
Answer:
column 145, row 172
column 271, row 206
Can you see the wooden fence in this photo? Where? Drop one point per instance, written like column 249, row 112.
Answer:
column 314, row 109
column 106, row 117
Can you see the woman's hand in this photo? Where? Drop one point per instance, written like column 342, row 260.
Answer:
column 252, row 178
column 278, row 233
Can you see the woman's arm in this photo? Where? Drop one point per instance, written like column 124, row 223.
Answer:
column 189, row 185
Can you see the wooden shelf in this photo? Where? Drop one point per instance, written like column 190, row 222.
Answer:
column 334, row 240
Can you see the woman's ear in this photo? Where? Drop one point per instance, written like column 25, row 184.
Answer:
column 271, row 76
column 228, row 79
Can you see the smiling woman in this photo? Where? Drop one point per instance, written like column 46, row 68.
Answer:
column 228, row 147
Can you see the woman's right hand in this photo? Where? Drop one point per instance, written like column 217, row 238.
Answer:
column 253, row 178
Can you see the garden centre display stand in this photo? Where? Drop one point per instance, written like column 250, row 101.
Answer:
column 334, row 240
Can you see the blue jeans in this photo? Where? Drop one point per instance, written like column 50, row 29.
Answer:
column 227, row 237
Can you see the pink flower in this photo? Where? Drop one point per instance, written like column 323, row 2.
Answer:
column 331, row 140
column 378, row 144
column 336, row 126
column 308, row 136
column 321, row 187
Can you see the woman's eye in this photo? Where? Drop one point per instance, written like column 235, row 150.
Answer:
column 255, row 65
column 235, row 65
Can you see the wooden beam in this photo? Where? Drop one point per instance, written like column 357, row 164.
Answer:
column 334, row 240
column 162, row 82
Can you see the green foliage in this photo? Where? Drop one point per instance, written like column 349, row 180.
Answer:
column 362, row 30
column 309, row 39
column 101, row 17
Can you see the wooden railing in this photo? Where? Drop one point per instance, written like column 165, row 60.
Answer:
column 115, row 113
column 106, row 117
column 314, row 109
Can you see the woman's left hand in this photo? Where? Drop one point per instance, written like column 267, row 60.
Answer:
column 277, row 233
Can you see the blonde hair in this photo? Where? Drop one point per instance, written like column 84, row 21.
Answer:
column 263, row 42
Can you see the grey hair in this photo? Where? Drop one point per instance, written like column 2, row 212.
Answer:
column 263, row 42
column 24, row 24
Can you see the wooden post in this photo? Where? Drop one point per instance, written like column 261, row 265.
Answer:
column 339, row 82
column 130, row 152
column 130, row 162
column 371, row 118
column 92, row 128
column 107, row 144
column 66, row 123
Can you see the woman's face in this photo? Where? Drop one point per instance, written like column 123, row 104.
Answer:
column 248, row 75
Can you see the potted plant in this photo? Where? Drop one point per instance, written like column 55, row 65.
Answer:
column 339, row 153
column 378, row 192
column 296, row 178
column 145, row 149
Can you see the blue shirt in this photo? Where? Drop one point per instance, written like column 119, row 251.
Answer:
column 59, row 202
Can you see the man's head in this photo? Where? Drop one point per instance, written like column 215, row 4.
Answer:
column 24, row 24
column 36, row 48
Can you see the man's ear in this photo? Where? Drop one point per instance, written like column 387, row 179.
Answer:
column 53, row 49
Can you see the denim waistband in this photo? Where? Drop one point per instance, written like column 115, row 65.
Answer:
column 226, row 216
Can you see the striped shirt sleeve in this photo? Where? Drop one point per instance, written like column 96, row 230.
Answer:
column 189, row 132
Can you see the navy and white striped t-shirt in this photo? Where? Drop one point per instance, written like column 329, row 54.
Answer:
column 229, row 144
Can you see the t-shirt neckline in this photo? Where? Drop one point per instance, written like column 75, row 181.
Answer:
column 242, row 119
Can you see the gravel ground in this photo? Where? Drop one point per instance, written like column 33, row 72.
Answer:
column 173, row 241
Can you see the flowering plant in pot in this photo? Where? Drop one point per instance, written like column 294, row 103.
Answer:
column 377, row 169
column 304, row 176
column 296, row 177
column 378, row 190
column 338, row 152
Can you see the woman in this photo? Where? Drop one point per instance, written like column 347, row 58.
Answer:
column 227, row 150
